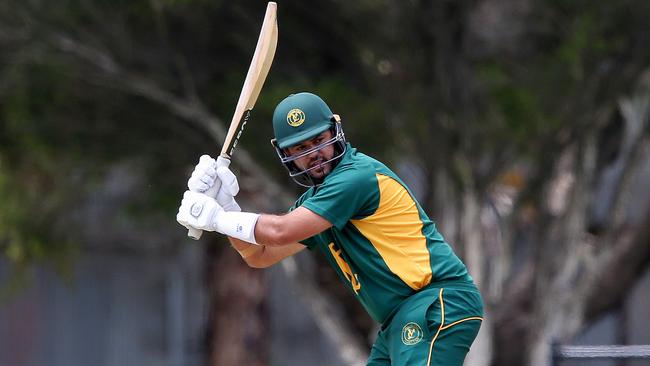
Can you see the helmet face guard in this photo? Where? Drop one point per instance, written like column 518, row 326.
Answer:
column 303, row 176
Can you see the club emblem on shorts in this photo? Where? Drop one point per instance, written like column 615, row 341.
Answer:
column 411, row 334
column 295, row 117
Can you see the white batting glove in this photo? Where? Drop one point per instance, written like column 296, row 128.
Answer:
column 215, row 179
column 204, row 175
column 202, row 212
column 198, row 211
column 229, row 187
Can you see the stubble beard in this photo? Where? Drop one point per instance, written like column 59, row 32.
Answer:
column 322, row 170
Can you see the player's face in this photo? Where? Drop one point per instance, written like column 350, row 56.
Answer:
column 316, row 158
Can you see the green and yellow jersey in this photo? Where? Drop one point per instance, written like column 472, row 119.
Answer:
column 381, row 244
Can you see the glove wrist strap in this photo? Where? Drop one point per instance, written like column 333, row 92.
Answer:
column 238, row 225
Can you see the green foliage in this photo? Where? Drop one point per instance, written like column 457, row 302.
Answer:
column 29, row 208
column 555, row 80
column 515, row 105
column 29, row 171
column 401, row 74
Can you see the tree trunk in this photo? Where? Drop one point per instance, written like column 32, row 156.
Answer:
column 239, row 331
column 474, row 256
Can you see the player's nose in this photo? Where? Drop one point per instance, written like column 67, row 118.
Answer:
column 314, row 154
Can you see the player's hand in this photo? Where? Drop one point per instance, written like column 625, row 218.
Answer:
column 204, row 175
column 198, row 211
column 229, row 186
column 215, row 179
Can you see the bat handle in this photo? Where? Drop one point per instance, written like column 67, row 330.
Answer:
column 212, row 192
column 194, row 233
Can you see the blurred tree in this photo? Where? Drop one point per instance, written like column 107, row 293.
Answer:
column 501, row 103
column 87, row 84
column 505, row 109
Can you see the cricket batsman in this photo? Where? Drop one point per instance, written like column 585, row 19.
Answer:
column 366, row 221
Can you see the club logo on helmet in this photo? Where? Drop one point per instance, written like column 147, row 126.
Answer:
column 295, row 117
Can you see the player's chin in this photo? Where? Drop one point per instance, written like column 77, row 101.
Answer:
column 320, row 172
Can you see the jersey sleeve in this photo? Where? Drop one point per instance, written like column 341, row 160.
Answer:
column 351, row 193
column 310, row 243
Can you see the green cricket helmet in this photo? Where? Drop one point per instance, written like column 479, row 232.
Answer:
column 301, row 117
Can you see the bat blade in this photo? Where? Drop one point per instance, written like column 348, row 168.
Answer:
column 257, row 72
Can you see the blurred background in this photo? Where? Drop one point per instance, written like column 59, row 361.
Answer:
column 521, row 125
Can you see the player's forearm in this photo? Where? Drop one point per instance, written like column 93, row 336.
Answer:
column 262, row 256
column 250, row 253
column 272, row 230
column 262, row 229
column 288, row 229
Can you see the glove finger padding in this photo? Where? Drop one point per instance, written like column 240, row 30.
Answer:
column 204, row 175
column 227, row 201
column 200, row 183
column 207, row 176
column 229, row 182
column 207, row 159
column 229, row 188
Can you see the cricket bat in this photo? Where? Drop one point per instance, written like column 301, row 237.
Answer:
column 257, row 72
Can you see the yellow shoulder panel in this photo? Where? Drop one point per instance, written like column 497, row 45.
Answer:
column 395, row 230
